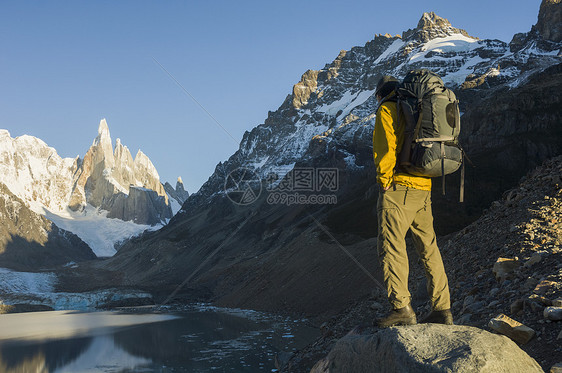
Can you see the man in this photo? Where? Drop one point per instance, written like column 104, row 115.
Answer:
column 404, row 203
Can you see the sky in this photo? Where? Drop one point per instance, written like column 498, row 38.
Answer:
column 183, row 80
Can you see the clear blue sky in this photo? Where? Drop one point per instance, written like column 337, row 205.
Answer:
column 64, row 65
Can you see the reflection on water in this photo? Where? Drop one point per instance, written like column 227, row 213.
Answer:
column 198, row 340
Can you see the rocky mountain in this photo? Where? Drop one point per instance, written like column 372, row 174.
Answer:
column 111, row 180
column 106, row 191
column 177, row 195
column 330, row 111
column 511, row 96
column 28, row 241
column 35, row 172
column 274, row 225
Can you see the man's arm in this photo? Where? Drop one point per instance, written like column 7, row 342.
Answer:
column 384, row 147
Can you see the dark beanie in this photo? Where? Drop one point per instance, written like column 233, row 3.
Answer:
column 386, row 85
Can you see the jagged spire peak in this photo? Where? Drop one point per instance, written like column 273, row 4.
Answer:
column 103, row 129
column 431, row 26
column 431, row 19
column 104, row 138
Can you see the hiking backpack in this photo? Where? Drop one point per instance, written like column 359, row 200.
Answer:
column 432, row 127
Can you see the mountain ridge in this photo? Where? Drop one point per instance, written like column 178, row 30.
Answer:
column 388, row 55
column 75, row 192
column 327, row 122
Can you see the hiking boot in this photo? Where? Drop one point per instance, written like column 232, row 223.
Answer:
column 439, row 317
column 400, row 316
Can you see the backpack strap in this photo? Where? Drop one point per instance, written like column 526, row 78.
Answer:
column 461, row 196
column 418, row 124
column 443, row 166
column 464, row 160
column 441, row 139
column 409, row 129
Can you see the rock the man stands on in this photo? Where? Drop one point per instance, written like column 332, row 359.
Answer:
column 404, row 203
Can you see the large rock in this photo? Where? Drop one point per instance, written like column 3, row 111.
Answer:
column 427, row 348
column 512, row 328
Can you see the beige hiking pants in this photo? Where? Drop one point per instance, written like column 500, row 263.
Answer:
column 401, row 208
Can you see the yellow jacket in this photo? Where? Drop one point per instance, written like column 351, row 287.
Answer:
column 388, row 137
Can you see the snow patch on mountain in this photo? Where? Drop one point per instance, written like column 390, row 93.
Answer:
column 345, row 104
column 450, row 44
column 390, row 51
column 93, row 226
column 175, row 206
column 334, row 107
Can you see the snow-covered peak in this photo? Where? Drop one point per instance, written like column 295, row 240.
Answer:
column 443, row 46
column 143, row 162
column 431, row 26
column 104, row 138
column 77, row 192
column 103, row 129
column 432, row 20
column 336, row 103
column 35, row 172
column 122, row 155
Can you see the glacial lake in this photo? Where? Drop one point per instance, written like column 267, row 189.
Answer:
column 197, row 339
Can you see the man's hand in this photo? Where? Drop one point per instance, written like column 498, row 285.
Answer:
column 386, row 188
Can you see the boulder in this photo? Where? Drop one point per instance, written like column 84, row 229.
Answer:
column 553, row 313
column 504, row 267
column 544, row 287
column 512, row 328
column 427, row 348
